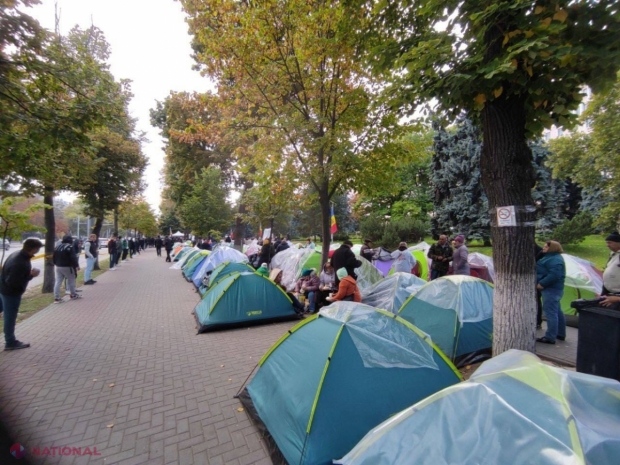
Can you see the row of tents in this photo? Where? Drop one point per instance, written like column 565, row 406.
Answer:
column 455, row 311
column 332, row 387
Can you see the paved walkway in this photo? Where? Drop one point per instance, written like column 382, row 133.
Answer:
column 123, row 370
column 562, row 352
column 127, row 355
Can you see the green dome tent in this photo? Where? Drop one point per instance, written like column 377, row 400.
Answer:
column 194, row 262
column 513, row 410
column 242, row 299
column 222, row 270
column 336, row 375
column 457, row 313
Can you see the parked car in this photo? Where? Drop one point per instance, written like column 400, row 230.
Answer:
column 103, row 242
column 7, row 244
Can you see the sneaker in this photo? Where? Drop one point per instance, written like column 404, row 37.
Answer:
column 17, row 345
column 75, row 297
column 57, row 301
column 90, row 281
column 112, row 269
column 561, row 338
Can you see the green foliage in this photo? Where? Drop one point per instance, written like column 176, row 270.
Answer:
column 404, row 189
column 341, row 236
column 573, row 231
column 388, row 233
column 205, row 207
column 467, row 54
column 593, row 159
column 14, row 222
column 136, row 214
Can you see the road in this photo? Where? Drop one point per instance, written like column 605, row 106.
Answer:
column 38, row 263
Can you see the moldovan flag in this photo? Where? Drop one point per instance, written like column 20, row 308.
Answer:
column 333, row 223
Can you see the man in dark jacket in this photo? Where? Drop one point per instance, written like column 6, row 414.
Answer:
column 441, row 254
column 16, row 274
column 168, row 243
column 67, row 266
column 345, row 258
column 158, row 244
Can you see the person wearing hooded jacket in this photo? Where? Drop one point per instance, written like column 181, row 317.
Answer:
column 67, row 266
column 266, row 252
column 347, row 288
column 550, row 275
column 404, row 261
column 308, row 284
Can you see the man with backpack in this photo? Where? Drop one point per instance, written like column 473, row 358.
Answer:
column 67, row 264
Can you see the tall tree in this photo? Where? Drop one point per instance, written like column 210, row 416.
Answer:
column 519, row 65
column 291, row 69
column 205, row 208
column 593, row 159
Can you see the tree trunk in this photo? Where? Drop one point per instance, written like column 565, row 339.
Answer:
column 50, row 239
column 115, row 221
column 508, row 177
column 325, row 223
column 97, row 232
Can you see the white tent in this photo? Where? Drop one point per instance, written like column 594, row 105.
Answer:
column 178, row 234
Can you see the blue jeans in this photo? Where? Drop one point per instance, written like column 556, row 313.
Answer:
column 556, row 323
column 311, row 299
column 90, row 264
column 437, row 274
column 10, row 306
column 112, row 259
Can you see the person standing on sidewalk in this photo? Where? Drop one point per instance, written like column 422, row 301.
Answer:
column 90, row 250
column 125, row 246
column 158, row 244
column 16, row 274
column 67, row 266
column 112, row 252
column 168, row 243
column 611, row 275
column 550, row 275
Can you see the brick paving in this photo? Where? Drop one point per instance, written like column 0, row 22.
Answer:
column 128, row 355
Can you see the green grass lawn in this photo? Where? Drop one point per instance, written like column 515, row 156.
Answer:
column 33, row 301
column 593, row 248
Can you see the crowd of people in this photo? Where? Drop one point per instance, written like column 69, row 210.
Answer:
column 336, row 281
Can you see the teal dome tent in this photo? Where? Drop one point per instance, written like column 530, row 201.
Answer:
column 336, row 375
column 513, row 410
column 242, row 299
column 457, row 313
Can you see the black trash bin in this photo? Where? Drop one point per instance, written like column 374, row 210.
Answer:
column 598, row 348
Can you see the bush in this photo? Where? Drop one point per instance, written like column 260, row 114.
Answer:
column 372, row 228
column 411, row 230
column 341, row 236
column 575, row 230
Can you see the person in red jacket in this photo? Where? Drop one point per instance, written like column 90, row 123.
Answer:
column 347, row 288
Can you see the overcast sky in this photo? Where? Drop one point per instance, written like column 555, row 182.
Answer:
column 150, row 45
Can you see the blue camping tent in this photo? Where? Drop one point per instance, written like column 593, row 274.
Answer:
column 336, row 375
column 217, row 257
column 241, row 299
column 191, row 264
column 457, row 313
column 513, row 410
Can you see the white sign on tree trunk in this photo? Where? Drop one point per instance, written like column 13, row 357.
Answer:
column 267, row 233
column 506, row 216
